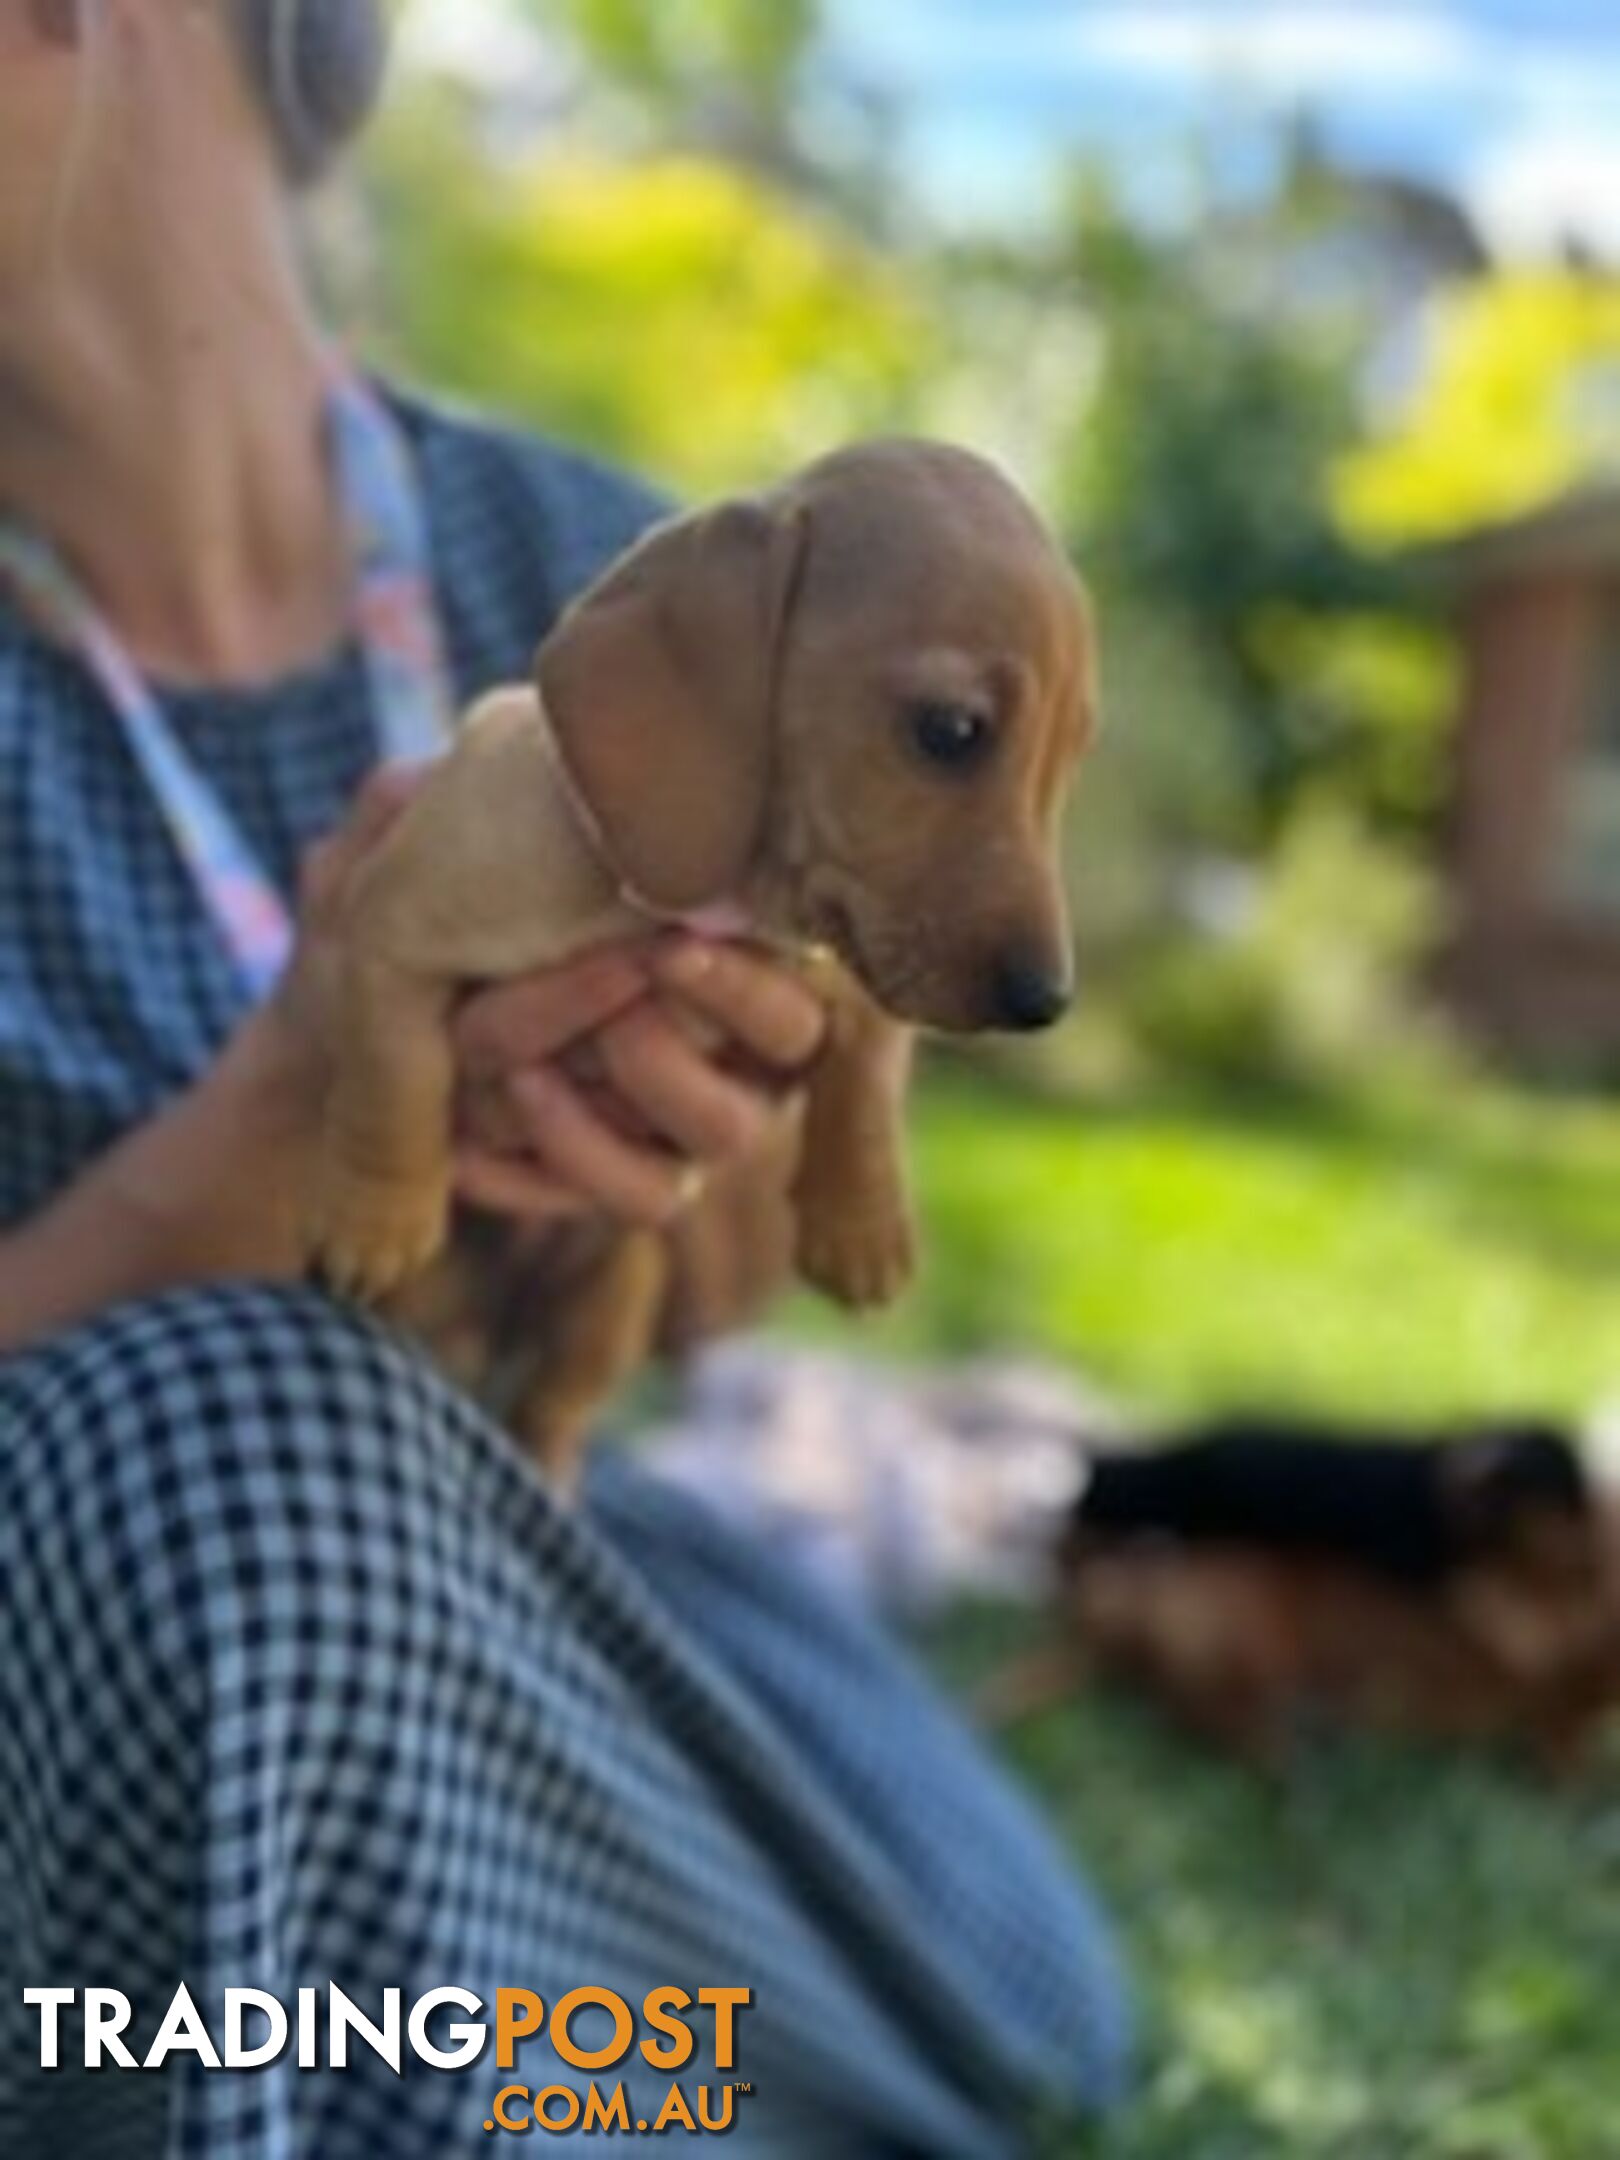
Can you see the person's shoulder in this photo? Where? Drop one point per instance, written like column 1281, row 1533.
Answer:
column 493, row 484
column 519, row 525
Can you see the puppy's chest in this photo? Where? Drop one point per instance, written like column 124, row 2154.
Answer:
column 499, row 873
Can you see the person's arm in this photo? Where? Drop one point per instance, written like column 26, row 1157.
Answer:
column 214, row 1187
column 209, row 1190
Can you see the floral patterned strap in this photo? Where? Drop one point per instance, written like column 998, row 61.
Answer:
column 395, row 624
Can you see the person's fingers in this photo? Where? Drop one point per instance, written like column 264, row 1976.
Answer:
column 488, row 1119
column 759, row 1004
column 530, row 1019
column 489, row 1115
column 502, row 1184
column 677, row 1089
column 635, row 1184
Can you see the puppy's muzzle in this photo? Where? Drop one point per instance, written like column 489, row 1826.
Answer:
column 1028, row 993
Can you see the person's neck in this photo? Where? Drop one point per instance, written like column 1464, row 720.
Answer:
column 164, row 433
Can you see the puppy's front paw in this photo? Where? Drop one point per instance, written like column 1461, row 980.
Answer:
column 862, row 1257
column 367, row 1235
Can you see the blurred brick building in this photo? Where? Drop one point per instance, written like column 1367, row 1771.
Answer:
column 1536, row 832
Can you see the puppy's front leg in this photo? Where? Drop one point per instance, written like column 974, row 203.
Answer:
column 855, row 1238
column 484, row 876
column 382, row 1197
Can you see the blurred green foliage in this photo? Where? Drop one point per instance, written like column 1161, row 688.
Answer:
column 1379, row 686
column 1424, row 1259
column 669, row 312
column 1393, row 1955
column 1310, row 990
column 1521, row 401
column 675, row 51
column 1196, row 471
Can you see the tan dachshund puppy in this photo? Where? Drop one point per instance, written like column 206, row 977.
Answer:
column 1240, row 1647
column 840, row 716
column 1519, row 1649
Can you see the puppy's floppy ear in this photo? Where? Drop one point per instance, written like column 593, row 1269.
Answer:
column 660, row 686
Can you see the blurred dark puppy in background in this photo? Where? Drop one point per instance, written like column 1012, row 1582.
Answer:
column 1253, row 1577
column 1405, row 1505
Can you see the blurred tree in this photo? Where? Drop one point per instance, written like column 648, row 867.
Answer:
column 1377, row 690
column 1265, row 683
column 755, row 85
column 1520, row 401
column 671, row 310
column 679, row 51
column 1312, row 983
column 1198, row 475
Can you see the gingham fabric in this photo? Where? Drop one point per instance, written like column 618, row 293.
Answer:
column 304, row 1676
column 395, row 624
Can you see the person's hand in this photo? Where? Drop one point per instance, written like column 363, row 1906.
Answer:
column 616, row 1082
column 622, row 1081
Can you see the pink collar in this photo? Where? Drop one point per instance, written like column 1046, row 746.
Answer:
column 720, row 920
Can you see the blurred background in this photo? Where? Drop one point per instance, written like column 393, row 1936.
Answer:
column 1303, row 324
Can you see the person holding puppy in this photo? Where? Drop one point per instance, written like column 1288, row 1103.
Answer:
column 308, row 1679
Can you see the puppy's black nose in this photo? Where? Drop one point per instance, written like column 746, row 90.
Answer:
column 1029, row 995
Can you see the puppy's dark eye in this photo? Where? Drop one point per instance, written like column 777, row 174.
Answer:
column 953, row 736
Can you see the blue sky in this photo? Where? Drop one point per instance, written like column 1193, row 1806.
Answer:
column 1513, row 104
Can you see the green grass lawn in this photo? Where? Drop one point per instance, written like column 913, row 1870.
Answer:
column 1394, row 1956
column 1464, row 1258
column 1389, row 1955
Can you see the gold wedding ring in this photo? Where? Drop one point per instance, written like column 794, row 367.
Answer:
column 689, row 1187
